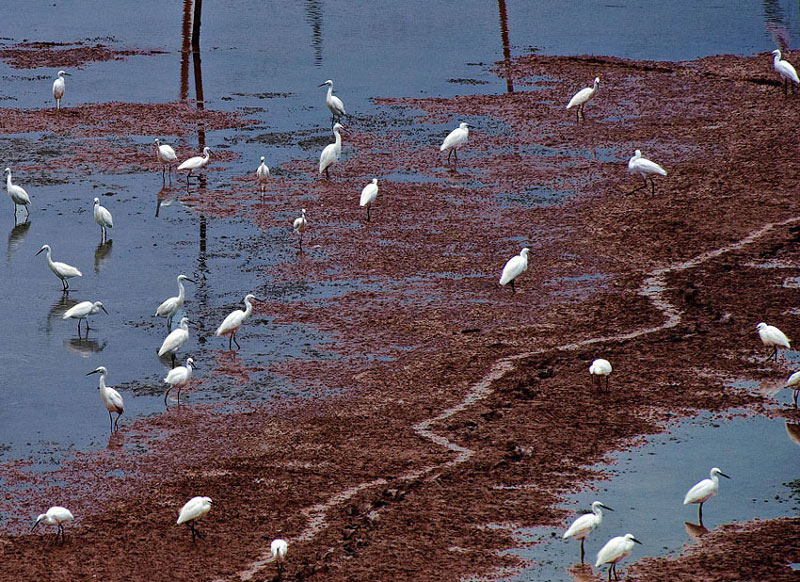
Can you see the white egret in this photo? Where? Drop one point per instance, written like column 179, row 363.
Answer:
column 179, row 378
column 56, row 515
column 262, row 173
column 515, row 267
column 234, row 321
column 586, row 524
column 172, row 305
column 194, row 509
column 368, row 195
column 110, row 397
column 299, row 226
column 600, row 367
column 102, row 217
column 17, row 194
column 83, row 310
column 454, row 140
column 582, row 97
column 175, row 340
column 278, row 547
column 615, row 550
column 61, row 270
column 786, row 72
column 646, row 169
column 773, row 338
column 794, row 383
column 165, row 155
column 334, row 104
column 195, row 163
column 703, row 491
column 58, row 88
column 330, row 155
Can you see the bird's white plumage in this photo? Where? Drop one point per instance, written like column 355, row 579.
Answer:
column 196, row 162
column 369, row 193
column 164, row 152
column 17, row 193
column 176, row 339
column 330, row 154
column 584, row 95
column 515, row 267
column 83, row 309
column 615, row 549
column 586, row 523
column 102, row 216
column 784, row 68
column 194, row 509
column 262, row 173
column 600, row 367
column 235, row 319
column 299, row 224
column 278, row 547
column 112, row 399
column 59, row 88
column 61, row 270
column 179, row 377
column 169, row 307
column 705, row 489
column 771, row 336
column 644, row 167
column 334, row 104
column 793, row 380
column 456, row 138
column 56, row 515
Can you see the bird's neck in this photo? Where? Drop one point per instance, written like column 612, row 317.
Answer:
column 181, row 291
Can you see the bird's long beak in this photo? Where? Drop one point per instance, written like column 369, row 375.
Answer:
column 35, row 523
column 322, row 85
column 723, row 474
column 190, row 280
column 40, row 250
column 104, row 309
column 606, row 507
column 93, row 372
column 637, row 541
column 344, row 129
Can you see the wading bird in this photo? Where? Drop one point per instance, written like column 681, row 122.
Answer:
column 582, row 97
column 330, row 155
column 110, row 397
column 646, row 169
column 334, row 104
column 615, row 550
column 773, row 338
column 586, row 524
column 454, row 140
column 195, row 163
column 514, row 268
column 786, row 72
column 278, row 548
column 17, row 194
column 600, row 367
column 194, row 509
column 83, row 310
column 299, row 226
column 234, row 321
column 703, row 491
column 61, row 270
column 166, row 156
column 56, row 515
column 368, row 195
column 102, row 217
column 58, row 88
column 178, row 378
column 172, row 305
column 794, row 383
column 262, row 173
column 175, row 340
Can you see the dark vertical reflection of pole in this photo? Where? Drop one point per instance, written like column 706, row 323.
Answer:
column 201, row 133
column 314, row 18
column 186, row 28
column 501, row 8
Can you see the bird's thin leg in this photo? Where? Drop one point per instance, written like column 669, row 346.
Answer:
column 639, row 188
column 606, row 383
column 110, row 421
column 300, row 244
column 327, row 175
column 230, row 339
column 700, row 513
column 796, row 393
column 79, row 328
column 367, row 213
column 173, row 359
column 63, row 534
column 616, row 576
column 179, row 395
column 194, row 533
column 449, row 154
column 609, row 572
column 774, row 352
column 116, row 421
column 513, row 289
column 166, row 394
column 577, row 116
column 652, row 186
column 27, row 212
column 233, row 337
column 582, row 553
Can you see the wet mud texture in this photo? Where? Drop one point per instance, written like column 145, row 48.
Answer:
column 30, row 55
column 447, row 404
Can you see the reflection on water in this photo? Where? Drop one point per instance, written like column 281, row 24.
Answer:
column 84, row 347
column 116, row 440
column 793, row 430
column 56, row 313
column 501, row 8
column 694, row 530
column 314, row 18
column 16, row 235
column 775, row 24
column 581, row 573
column 101, row 254
column 165, row 197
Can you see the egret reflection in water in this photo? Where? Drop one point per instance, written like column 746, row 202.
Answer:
column 694, row 530
column 102, row 254
column 16, row 235
column 165, row 197
column 57, row 311
column 793, row 430
column 84, row 347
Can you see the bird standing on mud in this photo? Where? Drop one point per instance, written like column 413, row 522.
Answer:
column 335, row 105
column 773, row 338
column 581, row 98
column 56, row 515
column 262, row 174
column 703, row 491
column 330, row 154
column 600, row 367
column 586, row 524
column 166, row 156
column 786, row 72
column 454, row 140
column 58, row 88
column 278, row 547
column 175, row 340
column 514, row 268
column 195, row 509
column 615, row 550
column 234, row 321
column 368, row 195
column 17, row 194
column 299, row 227
column 646, row 169
column 195, row 163
column 178, row 378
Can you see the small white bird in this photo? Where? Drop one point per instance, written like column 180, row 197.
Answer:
column 17, row 194
column 61, row 270
column 515, row 267
column 165, row 155
column 262, row 173
column 234, row 321
column 600, row 367
column 454, row 140
column 56, row 515
column 179, row 378
column 195, row 163
column 582, row 97
column 169, row 307
column 615, row 550
column 175, row 340
column 794, row 383
column 368, row 195
column 786, row 72
column 58, row 88
column 703, row 491
column 334, row 104
column 646, row 169
column 586, row 524
column 102, row 217
column 83, row 310
column 110, row 397
column 773, row 338
column 278, row 548
column 194, row 509
column 330, row 155
column 299, row 226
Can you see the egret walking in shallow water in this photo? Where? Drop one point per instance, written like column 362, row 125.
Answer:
column 454, row 140
column 172, row 305
column 17, row 194
column 299, row 227
column 330, row 155
column 703, row 491
column 61, row 270
column 58, row 88
column 195, row 508
column 582, row 97
column 175, row 340
column 262, row 173
column 234, row 321
column 786, row 72
column 166, row 156
column 586, row 524
column 646, row 169
column 102, row 217
column 179, row 378
column 600, row 367
column 794, row 383
column 615, row 550
column 56, row 515
column 773, row 338
column 334, row 104
column 368, row 195
column 83, row 310
column 110, row 397
column 195, row 163
column 514, row 268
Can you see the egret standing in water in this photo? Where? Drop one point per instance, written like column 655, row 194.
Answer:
column 794, row 383
column 299, row 226
column 58, row 88
column 110, row 397
column 582, row 97
column 334, row 104
column 455, row 140
column 83, row 310
column 278, row 547
column 600, row 367
column 195, row 163
column 166, row 156
column 615, row 550
column 514, row 268
column 234, row 321
column 262, row 173
column 172, row 305
column 368, row 195
column 175, row 340
column 586, row 524
column 703, row 491
column 786, row 72
column 61, row 270
column 17, row 194
column 330, row 155
column 646, row 169
column 773, row 338
column 56, row 515
column 178, row 378
column 102, row 217
column 194, row 509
